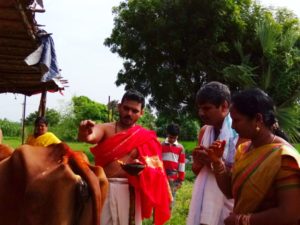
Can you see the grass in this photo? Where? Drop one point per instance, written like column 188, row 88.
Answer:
column 181, row 208
column 188, row 145
column 12, row 141
column 77, row 146
column 80, row 146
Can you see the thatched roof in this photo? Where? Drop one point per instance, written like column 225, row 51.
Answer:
column 19, row 37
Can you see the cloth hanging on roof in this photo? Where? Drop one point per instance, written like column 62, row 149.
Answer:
column 45, row 56
column 37, row 3
column 40, row 3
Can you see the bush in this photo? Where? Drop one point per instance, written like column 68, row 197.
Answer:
column 11, row 129
column 67, row 129
column 188, row 127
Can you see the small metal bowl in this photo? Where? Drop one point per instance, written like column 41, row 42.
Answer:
column 133, row 168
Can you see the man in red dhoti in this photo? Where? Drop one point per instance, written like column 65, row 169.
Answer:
column 121, row 143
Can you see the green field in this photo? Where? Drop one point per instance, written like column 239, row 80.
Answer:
column 80, row 146
column 77, row 146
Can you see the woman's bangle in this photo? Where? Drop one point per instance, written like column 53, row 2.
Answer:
column 237, row 220
column 247, row 219
column 218, row 168
column 242, row 219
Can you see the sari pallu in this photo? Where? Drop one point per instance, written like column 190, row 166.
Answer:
column 254, row 173
column 44, row 140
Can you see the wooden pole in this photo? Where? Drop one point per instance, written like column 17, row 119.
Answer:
column 108, row 109
column 23, row 119
column 42, row 107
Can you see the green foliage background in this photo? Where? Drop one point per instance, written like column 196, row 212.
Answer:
column 9, row 128
column 171, row 48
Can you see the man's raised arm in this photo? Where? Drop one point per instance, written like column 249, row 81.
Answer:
column 90, row 132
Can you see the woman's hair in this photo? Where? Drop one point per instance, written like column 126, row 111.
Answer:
column 279, row 132
column 40, row 120
column 250, row 102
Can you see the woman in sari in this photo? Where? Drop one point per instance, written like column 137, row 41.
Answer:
column 265, row 178
column 41, row 135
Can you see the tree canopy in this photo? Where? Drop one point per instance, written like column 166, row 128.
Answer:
column 52, row 115
column 276, row 69
column 85, row 108
column 171, row 48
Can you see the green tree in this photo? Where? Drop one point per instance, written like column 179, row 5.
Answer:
column 85, row 108
column 189, row 126
column 172, row 47
column 9, row 128
column 68, row 127
column 148, row 119
column 52, row 115
column 276, row 68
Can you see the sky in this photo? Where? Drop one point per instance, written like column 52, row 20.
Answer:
column 79, row 29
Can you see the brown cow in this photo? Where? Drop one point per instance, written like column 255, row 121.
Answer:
column 5, row 151
column 50, row 186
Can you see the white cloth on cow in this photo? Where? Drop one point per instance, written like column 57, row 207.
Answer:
column 208, row 204
column 116, row 206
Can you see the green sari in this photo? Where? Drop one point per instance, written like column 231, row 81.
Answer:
column 254, row 173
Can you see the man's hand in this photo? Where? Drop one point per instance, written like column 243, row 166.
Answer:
column 200, row 155
column 85, row 129
column 216, row 150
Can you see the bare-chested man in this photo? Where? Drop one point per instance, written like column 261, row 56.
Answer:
column 124, row 141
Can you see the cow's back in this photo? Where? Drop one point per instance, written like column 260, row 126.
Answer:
column 50, row 186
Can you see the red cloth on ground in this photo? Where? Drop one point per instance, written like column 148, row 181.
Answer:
column 152, row 177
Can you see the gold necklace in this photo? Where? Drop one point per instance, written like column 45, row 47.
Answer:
column 252, row 147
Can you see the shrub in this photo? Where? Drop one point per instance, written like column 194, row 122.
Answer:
column 11, row 129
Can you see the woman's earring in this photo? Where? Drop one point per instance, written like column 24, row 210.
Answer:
column 257, row 128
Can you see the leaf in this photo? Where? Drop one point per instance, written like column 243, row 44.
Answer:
column 240, row 75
